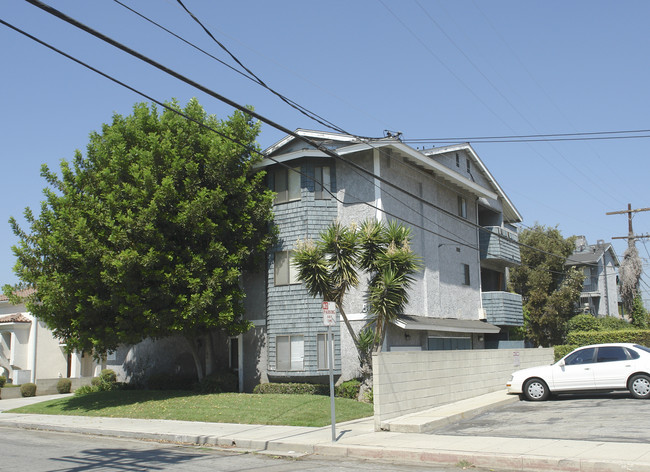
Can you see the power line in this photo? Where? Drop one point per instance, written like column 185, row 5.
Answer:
column 252, row 113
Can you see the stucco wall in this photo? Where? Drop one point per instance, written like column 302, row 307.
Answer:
column 51, row 359
column 407, row 382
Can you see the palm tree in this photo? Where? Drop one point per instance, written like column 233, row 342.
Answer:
column 330, row 267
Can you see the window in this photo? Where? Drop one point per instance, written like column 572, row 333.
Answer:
column 286, row 184
column 289, row 352
column 466, row 276
column 462, row 207
column 611, row 354
column 449, row 343
column 583, row 356
column 457, row 160
column 322, row 183
column 468, row 166
column 323, row 349
column 284, row 271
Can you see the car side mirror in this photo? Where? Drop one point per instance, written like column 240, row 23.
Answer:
column 561, row 363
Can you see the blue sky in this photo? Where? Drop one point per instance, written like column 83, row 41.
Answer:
column 430, row 69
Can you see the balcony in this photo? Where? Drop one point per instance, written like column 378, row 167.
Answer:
column 503, row 308
column 499, row 245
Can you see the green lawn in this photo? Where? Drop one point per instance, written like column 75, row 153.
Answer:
column 292, row 410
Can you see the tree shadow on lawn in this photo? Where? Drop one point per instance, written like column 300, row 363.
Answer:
column 114, row 399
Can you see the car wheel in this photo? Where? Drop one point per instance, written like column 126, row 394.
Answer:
column 535, row 390
column 639, row 386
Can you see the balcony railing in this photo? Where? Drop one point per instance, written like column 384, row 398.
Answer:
column 503, row 308
column 500, row 245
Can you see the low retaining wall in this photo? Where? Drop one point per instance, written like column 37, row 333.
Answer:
column 44, row 387
column 412, row 381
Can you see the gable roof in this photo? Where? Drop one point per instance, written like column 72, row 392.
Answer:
column 348, row 144
column 591, row 255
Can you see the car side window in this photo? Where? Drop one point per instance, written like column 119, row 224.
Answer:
column 611, row 354
column 583, row 356
column 633, row 354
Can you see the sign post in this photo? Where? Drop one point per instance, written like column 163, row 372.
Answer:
column 329, row 320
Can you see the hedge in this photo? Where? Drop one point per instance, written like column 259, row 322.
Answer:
column 635, row 336
column 292, row 388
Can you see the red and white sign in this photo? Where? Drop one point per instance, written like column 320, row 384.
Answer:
column 329, row 313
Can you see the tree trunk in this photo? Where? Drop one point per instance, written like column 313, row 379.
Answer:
column 209, row 354
column 198, row 362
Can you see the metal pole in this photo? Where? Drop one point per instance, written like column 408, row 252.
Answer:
column 330, row 355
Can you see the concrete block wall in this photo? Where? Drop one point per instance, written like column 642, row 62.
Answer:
column 408, row 382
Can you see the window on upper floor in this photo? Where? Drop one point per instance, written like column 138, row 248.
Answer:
column 322, row 183
column 285, row 273
column 290, row 352
column 457, row 160
column 462, row 207
column 286, row 184
column 469, row 168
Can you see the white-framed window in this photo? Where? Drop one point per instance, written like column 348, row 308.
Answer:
column 285, row 273
column 457, row 160
column 469, row 168
column 462, row 207
column 286, row 184
column 323, row 349
column 322, row 183
column 290, row 352
column 466, row 274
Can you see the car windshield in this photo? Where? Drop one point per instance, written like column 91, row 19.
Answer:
column 643, row 348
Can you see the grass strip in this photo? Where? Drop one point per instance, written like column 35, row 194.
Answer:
column 241, row 408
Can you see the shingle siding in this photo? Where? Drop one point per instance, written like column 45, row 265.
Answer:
column 290, row 309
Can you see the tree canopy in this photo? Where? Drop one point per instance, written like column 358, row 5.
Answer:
column 550, row 290
column 148, row 234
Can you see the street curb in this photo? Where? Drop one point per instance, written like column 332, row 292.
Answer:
column 495, row 461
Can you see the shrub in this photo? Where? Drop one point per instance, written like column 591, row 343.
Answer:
column 3, row 381
column 164, row 381
column 28, row 389
column 106, row 381
column 348, row 389
column 562, row 350
column 612, row 323
column 219, row 382
column 292, row 388
column 64, row 385
column 583, row 322
column 86, row 389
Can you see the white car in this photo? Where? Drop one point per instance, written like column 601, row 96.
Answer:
column 603, row 367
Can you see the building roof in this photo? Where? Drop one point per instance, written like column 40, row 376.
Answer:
column 451, row 325
column 591, row 254
column 425, row 159
column 21, row 293
column 15, row 318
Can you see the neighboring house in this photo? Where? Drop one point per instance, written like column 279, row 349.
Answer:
column 599, row 263
column 29, row 351
column 458, row 300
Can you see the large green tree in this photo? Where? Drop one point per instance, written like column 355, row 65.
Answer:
column 550, row 290
column 148, row 234
column 332, row 266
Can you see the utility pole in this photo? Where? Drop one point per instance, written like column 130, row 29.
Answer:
column 629, row 286
column 631, row 237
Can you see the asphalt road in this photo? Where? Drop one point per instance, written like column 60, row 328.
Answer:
column 613, row 417
column 42, row 451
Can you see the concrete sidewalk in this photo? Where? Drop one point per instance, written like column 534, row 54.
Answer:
column 359, row 440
